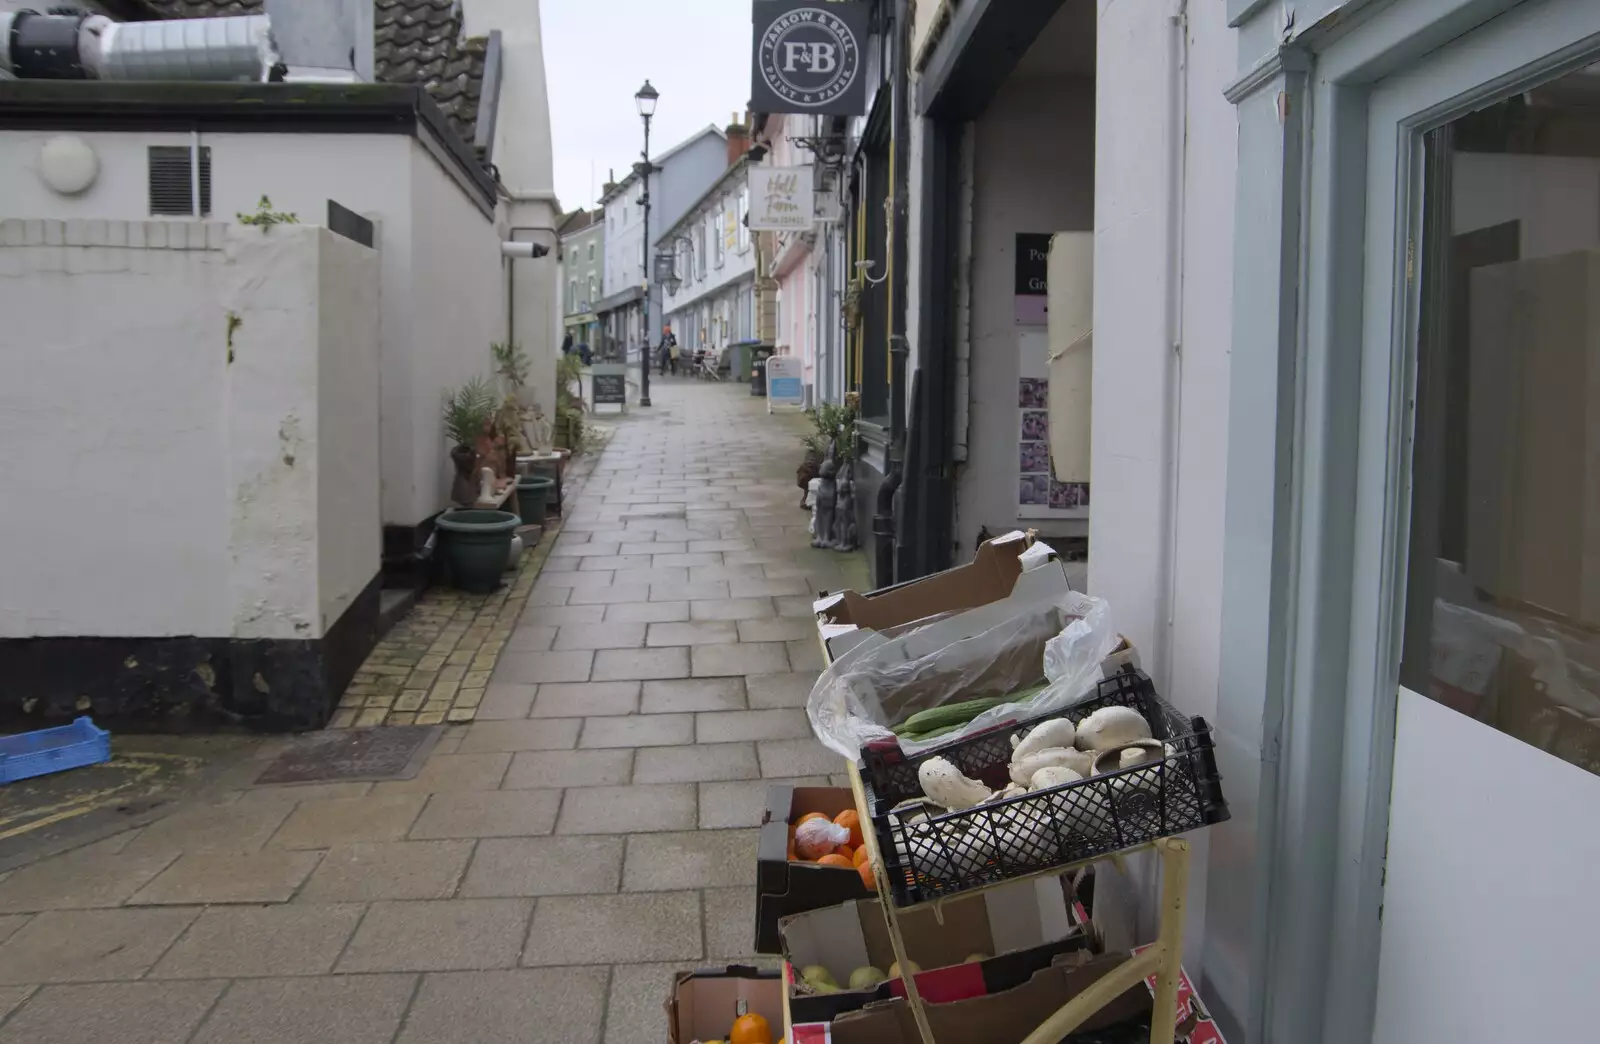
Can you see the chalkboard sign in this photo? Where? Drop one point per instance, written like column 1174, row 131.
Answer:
column 610, row 386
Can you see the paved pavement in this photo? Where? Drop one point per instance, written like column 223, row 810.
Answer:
column 554, row 861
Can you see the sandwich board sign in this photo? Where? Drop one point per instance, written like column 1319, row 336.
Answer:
column 784, row 386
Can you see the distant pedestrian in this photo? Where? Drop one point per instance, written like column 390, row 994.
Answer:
column 566, row 344
column 670, row 340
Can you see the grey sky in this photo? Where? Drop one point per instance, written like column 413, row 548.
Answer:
column 597, row 53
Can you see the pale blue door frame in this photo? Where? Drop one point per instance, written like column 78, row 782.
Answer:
column 1327, row 229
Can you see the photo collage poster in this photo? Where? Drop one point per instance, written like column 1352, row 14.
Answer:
column 1039, row 494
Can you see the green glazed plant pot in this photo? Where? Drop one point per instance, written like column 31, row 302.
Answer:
column 533, row 493
column 477, row 545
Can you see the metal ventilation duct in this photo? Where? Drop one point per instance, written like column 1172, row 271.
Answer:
column 76, row 47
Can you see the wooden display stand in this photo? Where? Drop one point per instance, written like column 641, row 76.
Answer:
column 1162, row 959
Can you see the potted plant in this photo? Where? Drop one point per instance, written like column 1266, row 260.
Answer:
column 477, row 542
column 467, row 413
column 570, row 405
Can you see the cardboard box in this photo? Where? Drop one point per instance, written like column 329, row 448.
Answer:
column 989, row 577
column 704, row 1003
column 1022, row 927
column 1006, row 1016
column 784, row 888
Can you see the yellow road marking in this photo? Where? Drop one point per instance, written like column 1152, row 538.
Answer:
column 144, row 766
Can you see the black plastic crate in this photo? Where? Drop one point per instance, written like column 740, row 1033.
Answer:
column 927, row 858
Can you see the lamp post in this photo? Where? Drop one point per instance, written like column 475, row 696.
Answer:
column 645, row 99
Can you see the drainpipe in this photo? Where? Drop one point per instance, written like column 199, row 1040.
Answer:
column 512, row 249
column 194, row 172
column 883, row 520
column 1176, row 192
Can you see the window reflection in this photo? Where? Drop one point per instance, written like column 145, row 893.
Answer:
column 1503, row 597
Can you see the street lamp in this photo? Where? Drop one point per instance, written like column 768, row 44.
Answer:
column 645, row 100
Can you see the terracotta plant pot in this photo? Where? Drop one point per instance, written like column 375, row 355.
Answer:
column 477, row 545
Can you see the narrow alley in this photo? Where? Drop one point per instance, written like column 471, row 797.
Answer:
column 552, row 863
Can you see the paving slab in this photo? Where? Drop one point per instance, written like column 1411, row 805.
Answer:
column 79, row 879
column 796, row 757
column 449, row 935
column 690, row 764
column 625, row 810
column 788, row 689
column 730, row 726
column 693, row 694
column 507, row 701
column 340, row 1009
column 535, row 667
column 633, row 1005
column 640, row 664
column 743, row 803
column 638, row 730
column 532, row 734
column 112, row 1013
column 388, row 870
column 694, row 859
column 778, row 629
column 339, row 821
column 256, row 941
column 531, row 637
column 570, row 768
column 446, row 772
column 533, row 866
column 713, row 661
column 526, row 1006
column 268, row 876
column 586, row 699
column 730, row 920
column 89, row 945
column 203, row 828
column 605, row 929
column 601, row 636
column 494, row 813
column 559, row 615
column 698, row 632
column 648, row 612
column 731, row 609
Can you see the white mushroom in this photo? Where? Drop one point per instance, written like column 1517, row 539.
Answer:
column 1023, row 768
column 945, row 785
column 1052, row 776
column 1057, row 732
column 1111, row 727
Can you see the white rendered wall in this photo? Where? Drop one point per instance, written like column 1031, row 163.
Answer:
column 1163, row 581
column 349, row 487
column 390, row 178
column 156, row 486
column 522, row 151
column 1034, row 173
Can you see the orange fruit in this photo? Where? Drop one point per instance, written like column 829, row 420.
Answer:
column 860, row 856
column 846, row 851
column 851, row 820
column 810, row 816
column 834, row 859
column 792, row 857
column 865, row 870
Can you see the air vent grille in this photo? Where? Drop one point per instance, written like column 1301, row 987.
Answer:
column 171, row 180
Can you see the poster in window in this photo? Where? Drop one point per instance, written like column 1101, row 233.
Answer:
column 1039, row 493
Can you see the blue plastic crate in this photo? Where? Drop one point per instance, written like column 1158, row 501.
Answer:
column 53, row 750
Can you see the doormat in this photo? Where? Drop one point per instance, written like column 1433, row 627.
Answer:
column 354, row 755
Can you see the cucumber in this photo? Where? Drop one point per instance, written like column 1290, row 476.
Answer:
column 931, row 733
column 949, row 714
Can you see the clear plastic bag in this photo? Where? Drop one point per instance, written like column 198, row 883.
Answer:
column 1058, row 645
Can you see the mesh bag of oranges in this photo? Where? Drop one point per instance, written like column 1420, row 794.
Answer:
column 836, row 842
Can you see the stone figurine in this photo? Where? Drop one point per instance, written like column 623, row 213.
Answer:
column 827, row 492
column 487, row 496
column 464, row 487
column 844, row 511
column 810, row 501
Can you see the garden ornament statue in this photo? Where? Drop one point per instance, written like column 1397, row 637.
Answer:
column 463, row 488
column 827, row 493
column 844, row 510
column 487, row 496
column 810, row 501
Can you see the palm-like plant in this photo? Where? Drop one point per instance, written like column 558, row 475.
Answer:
column 511, row 365
column 467, row 411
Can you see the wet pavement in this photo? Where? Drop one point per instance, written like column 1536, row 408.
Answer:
column 552, row 863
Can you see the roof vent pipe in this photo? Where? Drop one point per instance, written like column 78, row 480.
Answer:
column 81, row 47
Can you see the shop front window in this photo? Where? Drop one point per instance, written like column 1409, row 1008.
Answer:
column 1503, row 594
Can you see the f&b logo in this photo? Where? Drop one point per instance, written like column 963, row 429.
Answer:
column 808, row 57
